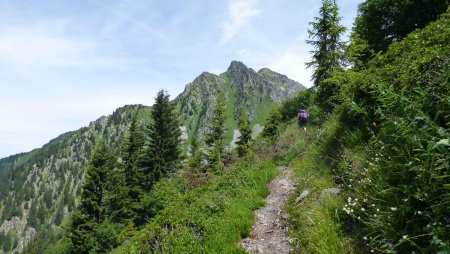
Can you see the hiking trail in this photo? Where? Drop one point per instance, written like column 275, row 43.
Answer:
column 269, row 234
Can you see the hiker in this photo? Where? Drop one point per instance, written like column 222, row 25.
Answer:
column 302, row 117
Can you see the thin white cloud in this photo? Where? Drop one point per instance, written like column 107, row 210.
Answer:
column 123, row 14
column 240, row 12
column 50, row 44
column 31, row 47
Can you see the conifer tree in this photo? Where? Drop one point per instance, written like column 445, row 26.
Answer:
column 95, row 187
column 215, row 137
column 131, row 191
column 196, row 156
column 7, row 243
column 246, row 134
column 163, row 153
column 271, row 129
column 94, row 198
column 325, row 38
column 32, row 215
column 59, row 214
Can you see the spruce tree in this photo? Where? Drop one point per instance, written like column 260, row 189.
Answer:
column 325, row 38
column 163, row 152
column 131, row 191
column 215, row 137
column 96, row 184
column 94, row 198
column 246, row 134
column 59, row 216
column 271, row 129
column 327, row 54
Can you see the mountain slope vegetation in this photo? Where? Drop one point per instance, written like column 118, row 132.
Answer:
column 39, row 189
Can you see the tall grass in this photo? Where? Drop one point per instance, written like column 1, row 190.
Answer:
column 314, row 222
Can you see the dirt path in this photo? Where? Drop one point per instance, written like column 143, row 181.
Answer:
column 269, row 232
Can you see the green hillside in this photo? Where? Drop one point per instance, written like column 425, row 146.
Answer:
column 41, row 188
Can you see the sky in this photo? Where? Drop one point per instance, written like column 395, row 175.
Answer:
column 65, row 63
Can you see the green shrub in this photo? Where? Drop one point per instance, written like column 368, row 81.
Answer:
column 211, row 218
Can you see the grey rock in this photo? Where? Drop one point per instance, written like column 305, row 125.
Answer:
column 184, row 135
column 257, row 129
column 331, row 191
column 302, row 196
column 282, row 168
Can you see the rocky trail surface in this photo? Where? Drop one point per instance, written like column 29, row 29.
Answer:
column 269, row 234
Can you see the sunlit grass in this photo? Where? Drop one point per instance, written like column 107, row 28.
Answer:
column 313, row 222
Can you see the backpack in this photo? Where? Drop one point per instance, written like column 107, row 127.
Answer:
column 302, row 114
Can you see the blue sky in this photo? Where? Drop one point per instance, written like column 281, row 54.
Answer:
column 65, row 63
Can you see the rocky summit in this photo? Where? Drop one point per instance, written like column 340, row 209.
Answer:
column 243, row 89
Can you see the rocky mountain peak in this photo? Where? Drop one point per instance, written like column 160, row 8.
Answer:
column 241, row 75
column 237, row 66
column 239, row 69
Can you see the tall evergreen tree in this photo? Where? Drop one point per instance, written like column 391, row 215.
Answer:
column 163, row 152
column 327, row 54
column 95, row 187
column 325, row 38
column 215, row 137
column 246, row 134
column 131, row 191
column 94, row 198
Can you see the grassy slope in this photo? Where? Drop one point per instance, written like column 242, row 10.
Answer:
column 314, row 221
column 211, row 218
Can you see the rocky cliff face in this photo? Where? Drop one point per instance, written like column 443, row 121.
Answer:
column 38, row 189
